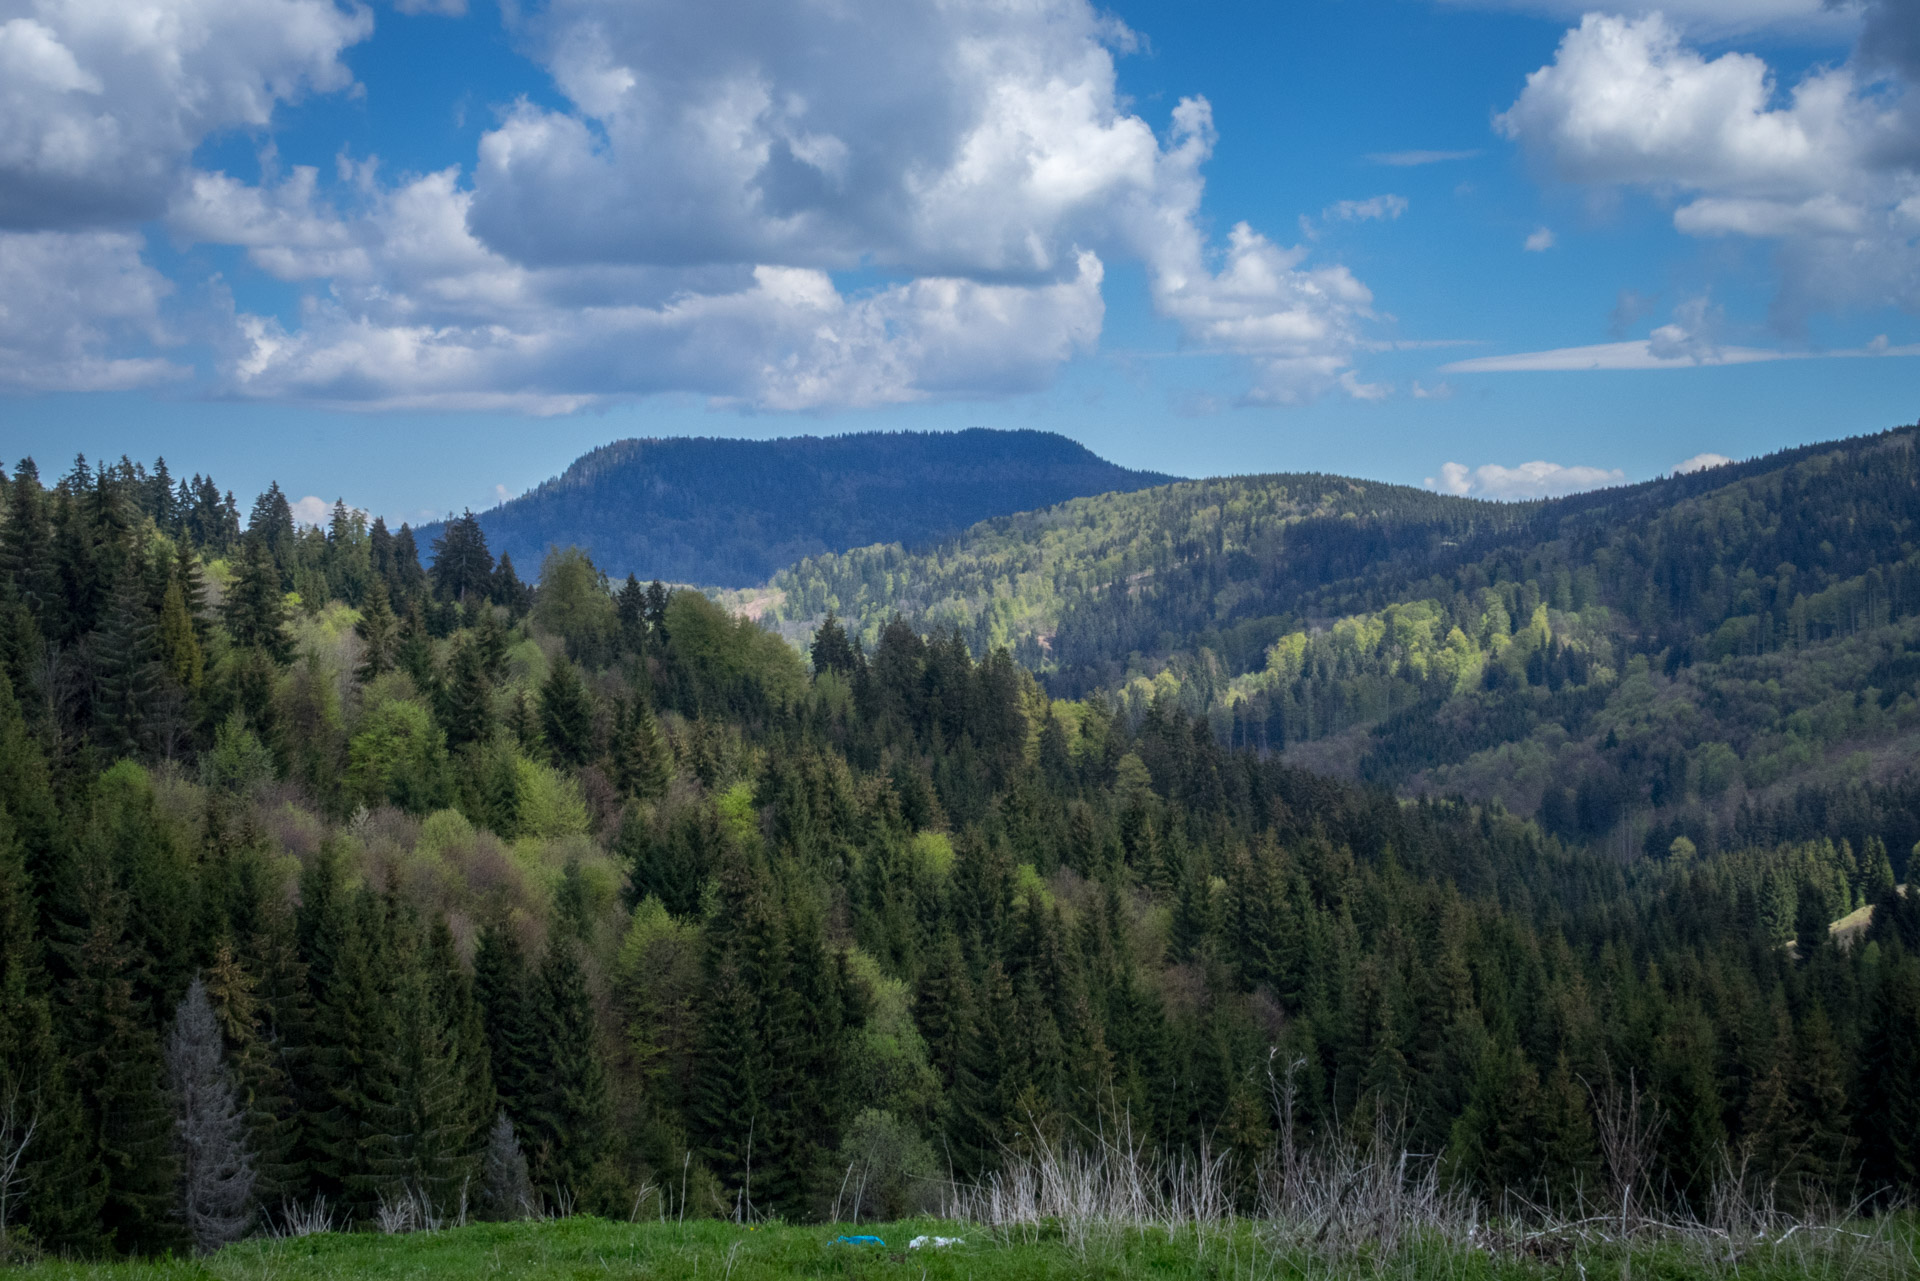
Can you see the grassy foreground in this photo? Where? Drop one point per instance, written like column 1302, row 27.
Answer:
column 593, row 1248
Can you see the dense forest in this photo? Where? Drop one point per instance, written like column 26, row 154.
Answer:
column 1629, row 665
column 728, row 513
column 336, row 871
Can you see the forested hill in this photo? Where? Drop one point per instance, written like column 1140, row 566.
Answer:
column 1630, row 665
column 727, row 513
column 336, row 877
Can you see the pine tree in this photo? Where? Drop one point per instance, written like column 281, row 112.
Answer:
column 567, row 1122
column 180, row 650
column 256, row 607
column 378, row 632
column 566, row 715
column 258, row 1058
column 115, row 1067
column 129, row 670
column 506, row 1008
column 215, row 1170
column 1889, row 1114
column 462, row 566
column 642, row 762
column 466, row 696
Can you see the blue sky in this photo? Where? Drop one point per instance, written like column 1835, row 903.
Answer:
column 421, row 255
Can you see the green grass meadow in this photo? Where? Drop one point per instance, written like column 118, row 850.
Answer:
column 583, row 1248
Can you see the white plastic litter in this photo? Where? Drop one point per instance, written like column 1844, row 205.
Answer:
column 935, row 1243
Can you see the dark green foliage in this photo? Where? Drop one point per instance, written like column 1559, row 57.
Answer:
column 903, row 903
column 462, row 565
column 255, row 607
column 565, row 1104
column 566, row 715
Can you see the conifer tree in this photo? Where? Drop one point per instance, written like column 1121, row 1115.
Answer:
column 378, row 632
column 1889, row 1114
column 180, row 650
column 413, row 649
column 462, row 566
column 566, row 715
column 255, row 606
column 630, row 605
column 832, row 651
column 506, row 1008
column 405, row 579
column 508, row 591
column 466, row 696
column 214, row 1167
column 257, row 1057
column 129, row 670
column 567, row 1119
column 114, row 1062
column 642, row 762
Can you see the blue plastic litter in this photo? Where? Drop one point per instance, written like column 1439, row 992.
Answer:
column 858, row 1241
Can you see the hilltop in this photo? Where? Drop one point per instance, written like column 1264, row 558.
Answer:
column 728, row 513
column 1629, row 665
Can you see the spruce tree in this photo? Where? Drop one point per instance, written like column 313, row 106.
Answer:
column 129, row 656
column 180, row 650
column 506, row 1190
column 255, row 606
column 1889, row 1113
column 378, row 632
column 566, row 715
column 114, row 1062
column 258, row 1059
column 507, row 1014
column 568, row 1119
column 642, row 762
column 214, row 1167
column 466, row 696
column 462, row 566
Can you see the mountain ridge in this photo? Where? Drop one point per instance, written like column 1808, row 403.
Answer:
column 722, row 512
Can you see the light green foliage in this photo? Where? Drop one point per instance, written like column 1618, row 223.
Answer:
column 573, row 601
column 736, row 656
column 399, row 757
column 550, row 804
column 239, row 761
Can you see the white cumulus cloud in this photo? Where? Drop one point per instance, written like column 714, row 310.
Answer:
column 1824, row 169
column 1528, row 480
column 71, row 304
column 1700, row 462
column 102, row 102
column 1541, row 240
column 679, row 224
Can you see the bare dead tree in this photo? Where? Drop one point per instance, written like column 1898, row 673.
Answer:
column 17, row 1128
column 216, row 1171
column 505, row 1190
column 1629, row 1130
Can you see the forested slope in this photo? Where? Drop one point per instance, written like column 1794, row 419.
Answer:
column 415, row 884
column 727, row 513
column 1631, row 664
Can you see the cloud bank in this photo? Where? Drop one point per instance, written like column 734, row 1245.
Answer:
column 786, row 206
column 1824, row 170
column 1528, row 480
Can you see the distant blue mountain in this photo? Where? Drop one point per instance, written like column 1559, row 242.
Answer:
column 728, row 513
